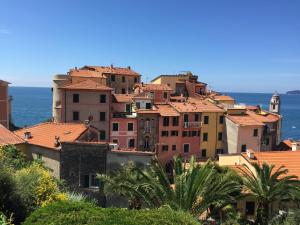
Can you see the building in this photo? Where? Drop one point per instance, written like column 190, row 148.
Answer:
column 4, row 104
column 158, row 93
column 288, row 159
column 275, row 104
column 121, row 79
column 43, row 141
column 85, row 101
column 9, row 138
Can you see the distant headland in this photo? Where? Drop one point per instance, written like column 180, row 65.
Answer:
column 295, row 92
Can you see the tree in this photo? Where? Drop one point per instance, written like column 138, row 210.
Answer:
column 196, row 188
column 11, row 157
column 268, row 185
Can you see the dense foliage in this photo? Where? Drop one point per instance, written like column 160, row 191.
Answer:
column 66, row 213
column 11, row 157
column 268, row 185
column 198, row 189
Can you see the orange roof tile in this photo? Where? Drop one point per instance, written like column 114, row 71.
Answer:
column 266, row 117
column 167, row 110
column 154, row 87
column 223, row 97
column 44, row 134
column 113, row 70
column 288, row 143
column 244, row 120
column 289, row 159
column 3, row 82
column 87, row 85
column 123, row 98
column 85, row 73
column 9, row 138
column 195, row 105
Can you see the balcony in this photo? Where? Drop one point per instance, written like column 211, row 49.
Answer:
column 191, row 124
column 123, row 115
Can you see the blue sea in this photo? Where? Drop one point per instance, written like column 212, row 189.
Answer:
column 33, row 105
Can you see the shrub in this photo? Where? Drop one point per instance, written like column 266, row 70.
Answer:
column 4, row 220
column 36, row 187
column 69, row 212
column 11, row 157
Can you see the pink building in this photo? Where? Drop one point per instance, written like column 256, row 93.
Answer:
column 160, row 93
column 4, row 104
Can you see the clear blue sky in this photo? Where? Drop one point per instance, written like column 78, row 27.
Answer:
column 248, row 46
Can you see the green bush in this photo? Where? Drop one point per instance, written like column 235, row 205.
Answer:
column 68, row 212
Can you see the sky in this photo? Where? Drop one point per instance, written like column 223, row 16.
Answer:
column 233, row 45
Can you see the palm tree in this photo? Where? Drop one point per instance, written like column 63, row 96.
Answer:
column 267, row 185
column 196, row 188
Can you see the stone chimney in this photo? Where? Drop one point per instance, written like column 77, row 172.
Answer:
column 56, row 141
column 27, row 135
column 129, row 67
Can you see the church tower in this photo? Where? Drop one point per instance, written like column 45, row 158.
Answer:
column 275, row 103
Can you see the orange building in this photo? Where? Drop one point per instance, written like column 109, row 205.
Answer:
column 4, row 104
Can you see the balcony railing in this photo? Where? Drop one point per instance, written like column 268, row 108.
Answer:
column 192, row 124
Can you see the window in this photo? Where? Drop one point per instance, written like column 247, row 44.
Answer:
column 116, row 141
column 115, row 127
column 243, row 148
column 255, row 132
column 164, row 133
column 203, row 153
column 206, row 119
column 165, row 95
column 75, row 98
column 173, row 147
column 250, row 208
column 166, row 121
column 205, row 136
column 146, row 143
column 130, row 126
column 135, row 80
column 113, row 78
column 128, row 108
column 94, row 181
column 123, row 79
column 165, row 148
column 267, row 142
column 102, row 116
column 131, row 143
column 102, row 98
column 123, row 91
column 39, row 156
column 221, row 119
column 185, row 118
column 102, row 135
column 175, row 121
column 174, row 133
column 197, row 117
column 75, row 116
column 194, row 133
column 148, row 105
column 186, row 148
column 184, row 134
column 138, row 105
column 220, row 136
column 219, row 151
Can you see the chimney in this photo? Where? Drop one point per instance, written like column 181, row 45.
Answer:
column 56, row 141
column 27, row 135
column 250, row 153
column 129, row 67
column 112, row 66
column 76, row 68
column 296, row 146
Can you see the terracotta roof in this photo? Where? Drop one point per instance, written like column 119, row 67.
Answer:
column 123, row 98
column 195, row 105
column 223, row 97
column 154, row 87
column 264, row 117
column 289, row 159
column 244, row 120
column 2, row 82
column 44, row 134
column 85, row 73
column 113, row 70
column 252, row 107
column 147, row 111
column 87, row 85
column 8, row 138
column 167, row 110
column 288, row 143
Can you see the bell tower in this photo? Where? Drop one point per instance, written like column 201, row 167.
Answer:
column 275, row 103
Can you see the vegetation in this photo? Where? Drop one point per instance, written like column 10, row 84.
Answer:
column 268, row 185
column 67, row 212
column 196, row 189
column 12, row 158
